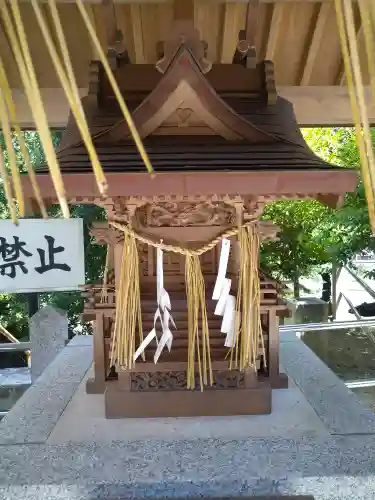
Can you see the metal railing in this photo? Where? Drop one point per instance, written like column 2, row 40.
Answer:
column 13, row 347
column 360, row 384
column 19, row 346
column 350, row 304
column 336, row 325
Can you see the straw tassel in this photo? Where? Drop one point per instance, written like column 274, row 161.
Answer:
column 128, row 310
column 199, row 345
column 248, row 324
column 128, row 307
column 352, row 65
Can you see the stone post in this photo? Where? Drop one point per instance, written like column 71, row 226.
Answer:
column 48, row 336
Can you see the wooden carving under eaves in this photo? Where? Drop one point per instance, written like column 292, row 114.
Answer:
column 184, row 33
column 184, row 103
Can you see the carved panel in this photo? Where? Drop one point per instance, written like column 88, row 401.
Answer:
column 120, row 210
column 184, row 121
column 209, row 261
column 172, row 263
column 176, row 381
column 105, row 235
column 101, row 234
column 143, row 258
column 253, row 209
column 185, row 214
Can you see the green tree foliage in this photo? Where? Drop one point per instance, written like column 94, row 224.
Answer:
column 312, row 235
column 13, row 307
column 299, row 250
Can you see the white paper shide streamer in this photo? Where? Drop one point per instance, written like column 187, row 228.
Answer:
column 162, row 314
column 226, row 303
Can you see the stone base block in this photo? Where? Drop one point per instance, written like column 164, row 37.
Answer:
column 184, row 403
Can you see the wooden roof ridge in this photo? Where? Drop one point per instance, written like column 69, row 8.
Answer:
column 184, row 87
column 183, row 75
column 242, row 129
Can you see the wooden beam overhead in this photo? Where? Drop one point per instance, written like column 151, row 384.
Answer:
column 341, row 79
column 321, row 25
column 324, row 106
column 314, row 106
column 168, row 1
column 183, row 10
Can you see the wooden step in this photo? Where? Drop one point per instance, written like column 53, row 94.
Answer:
column 183, row 336
column 180, row 356
column 180, row 353
column 182, row 322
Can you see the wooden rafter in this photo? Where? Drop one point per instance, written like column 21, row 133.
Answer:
column 90, row 9
column 166, row 1
column 7, row 56
column 246, row 52
column 110, row 21
column 252, row 16
column 341, row 79
column 321, row 26
column 136, row 23
column 274, row 31
column 229, row 32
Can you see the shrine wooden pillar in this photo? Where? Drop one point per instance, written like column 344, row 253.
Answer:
column 100, row 308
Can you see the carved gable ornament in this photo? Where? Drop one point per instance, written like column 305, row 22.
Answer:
column 184, row 34
column 185, row 103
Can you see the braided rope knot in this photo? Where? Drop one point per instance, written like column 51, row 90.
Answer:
column 178, row 249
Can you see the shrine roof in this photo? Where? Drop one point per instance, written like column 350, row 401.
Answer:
column 192, row 153
column 195, row 119
column 283, row 146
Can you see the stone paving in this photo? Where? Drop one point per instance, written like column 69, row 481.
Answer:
column 55, row 443
column 10, row 377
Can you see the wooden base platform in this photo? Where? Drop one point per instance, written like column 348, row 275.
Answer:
column 279, row 381
column 95, row 387
column 185, row 403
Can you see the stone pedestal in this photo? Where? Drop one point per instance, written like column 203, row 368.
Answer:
column 48, row 335
column 307, row 310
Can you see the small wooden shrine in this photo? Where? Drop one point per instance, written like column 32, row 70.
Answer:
column 223, row 145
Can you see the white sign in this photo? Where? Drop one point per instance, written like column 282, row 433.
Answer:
column 41, row 255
